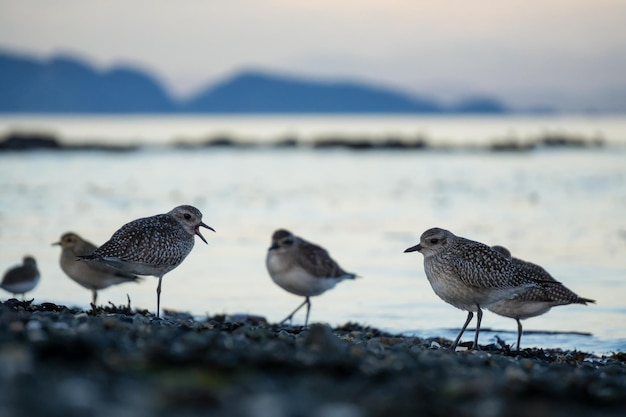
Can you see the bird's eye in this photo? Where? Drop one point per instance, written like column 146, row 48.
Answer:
column 288, row 242
column 434, row 240
column 187, row 216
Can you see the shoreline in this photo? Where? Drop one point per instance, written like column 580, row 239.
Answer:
column 56, row 360
column 37, row 141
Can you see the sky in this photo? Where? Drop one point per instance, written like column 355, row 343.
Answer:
column 568, row 54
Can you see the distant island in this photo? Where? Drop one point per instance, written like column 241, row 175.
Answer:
column 68, row 85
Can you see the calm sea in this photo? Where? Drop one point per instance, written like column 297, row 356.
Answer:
column 561, row 208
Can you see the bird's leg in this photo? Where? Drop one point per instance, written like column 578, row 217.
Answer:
column 290, row 316
column 479, row 318
column 308, row 308
column 470, row 315
column 159, row 297
column 519, row 333
column 94, row 298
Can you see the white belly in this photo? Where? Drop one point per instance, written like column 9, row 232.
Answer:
column 521, row 309
column 298, row 281
column 22, row 287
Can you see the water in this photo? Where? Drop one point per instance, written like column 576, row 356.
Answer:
column 562, row 209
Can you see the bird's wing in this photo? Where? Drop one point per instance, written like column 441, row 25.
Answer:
column 317, row 260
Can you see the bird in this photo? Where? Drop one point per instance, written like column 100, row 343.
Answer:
column 21, row 278
column 92, row 275
column 467, row 274
column 152, row 245
column 534, row 301
column 302, row 268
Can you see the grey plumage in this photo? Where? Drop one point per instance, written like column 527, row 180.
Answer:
column 22, row 278
column 534, row 301
column 94, row 276
column 302, row 268
column 152, row 245
column 468, row 274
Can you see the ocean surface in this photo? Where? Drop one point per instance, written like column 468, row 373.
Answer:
column 564, row 209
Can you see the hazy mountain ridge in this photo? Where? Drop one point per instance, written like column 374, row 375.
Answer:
column 64, row 85
column 69, row 85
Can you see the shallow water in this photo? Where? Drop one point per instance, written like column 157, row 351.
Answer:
column 561, row 209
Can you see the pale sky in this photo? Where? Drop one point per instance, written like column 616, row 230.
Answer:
column 565, row 53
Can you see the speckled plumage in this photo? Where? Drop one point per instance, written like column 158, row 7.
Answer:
column 468, row 274
column 92, row 275
column 302, row 268
column 22, row 278
column 534, row 301
column 152, row 245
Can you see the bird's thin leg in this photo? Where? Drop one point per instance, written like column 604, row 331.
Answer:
column 94, row 297
column 479, row 318
column 290, row 316
column 159, row 297
column 470, row 315
column 308, row 308
column 519, row 333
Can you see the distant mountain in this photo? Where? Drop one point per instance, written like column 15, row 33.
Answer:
column 68, row 85
column 256, row 92
column 479, row 104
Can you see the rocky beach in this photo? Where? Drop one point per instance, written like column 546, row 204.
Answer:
column 117, row 361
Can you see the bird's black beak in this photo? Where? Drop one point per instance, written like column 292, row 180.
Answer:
column 199, row 234
column 274, row 246
column 416, row 248
column 56, row 244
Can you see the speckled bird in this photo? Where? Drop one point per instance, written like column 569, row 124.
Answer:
column 468, row 274
column 534, row 301
column 302, row 268
column 22, row 278
column 152, row 245
column 94, row 276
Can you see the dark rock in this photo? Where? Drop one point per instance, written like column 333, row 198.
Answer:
column 56, row 360
column 25, row 142
column 20, row 142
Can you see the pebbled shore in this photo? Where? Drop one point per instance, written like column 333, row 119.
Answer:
column 116, row 361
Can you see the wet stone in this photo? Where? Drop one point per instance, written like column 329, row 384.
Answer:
column 60, row 361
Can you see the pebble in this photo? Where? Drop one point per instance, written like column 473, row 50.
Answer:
column 125, row 363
